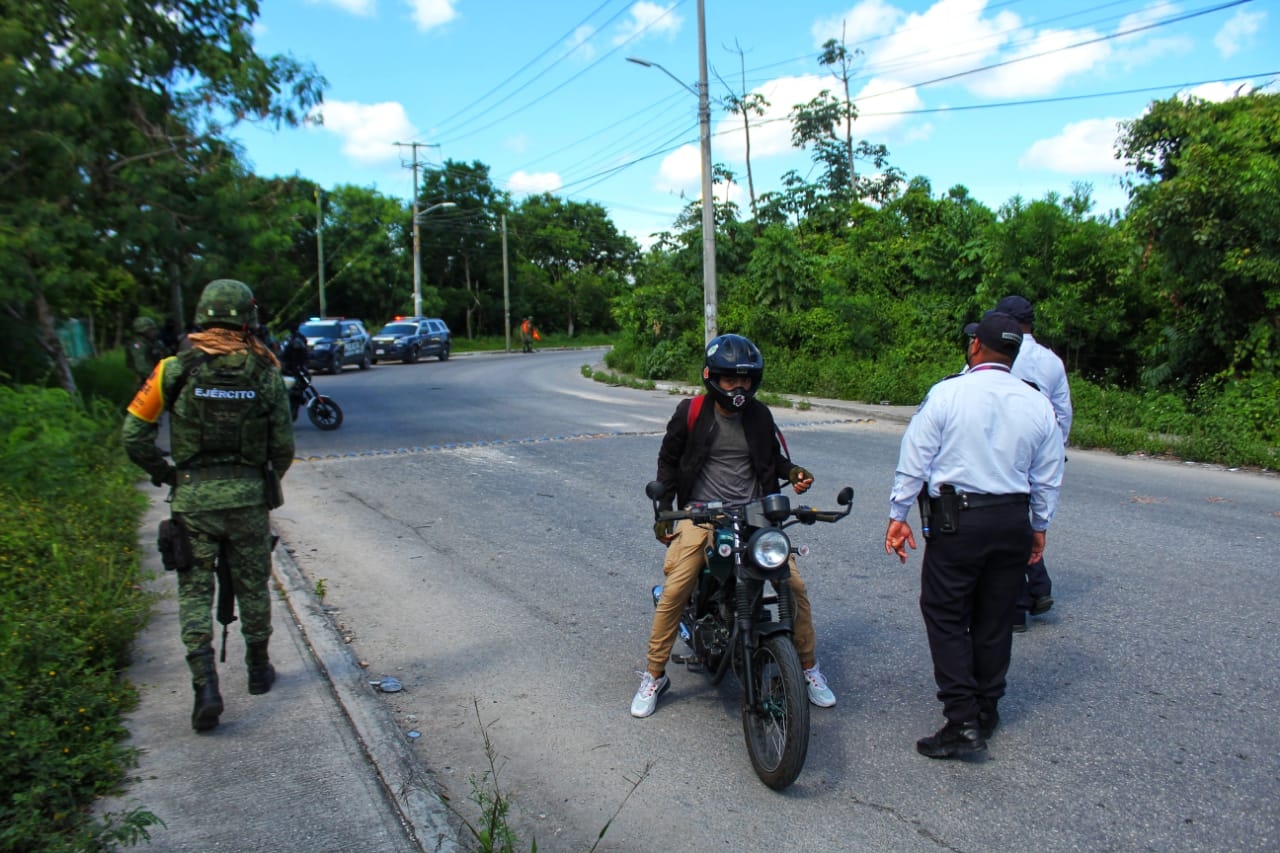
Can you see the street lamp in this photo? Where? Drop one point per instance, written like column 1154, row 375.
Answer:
column 708, row 202
column 417, row 253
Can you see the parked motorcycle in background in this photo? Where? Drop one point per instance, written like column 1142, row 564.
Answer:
column 731, row 621
column 323, row 411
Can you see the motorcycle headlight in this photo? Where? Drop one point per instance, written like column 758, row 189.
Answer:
column 769, row 547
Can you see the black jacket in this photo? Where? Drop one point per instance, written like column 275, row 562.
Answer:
column 684, row 453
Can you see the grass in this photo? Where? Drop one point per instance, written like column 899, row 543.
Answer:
column 71, row 603
column 490, row 828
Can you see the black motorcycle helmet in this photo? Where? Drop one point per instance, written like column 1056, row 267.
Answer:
column 733, row 355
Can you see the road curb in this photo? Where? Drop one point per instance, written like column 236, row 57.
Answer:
column 402, row 775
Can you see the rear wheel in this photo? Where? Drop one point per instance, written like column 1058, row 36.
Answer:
column 325, row 413
column 777, row 727
column 444, row 353
column 366, row 359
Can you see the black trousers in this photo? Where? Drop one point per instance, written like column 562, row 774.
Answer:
column 1037, row 584
column 969, row 586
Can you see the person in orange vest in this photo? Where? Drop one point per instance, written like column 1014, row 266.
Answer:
column 528, row 334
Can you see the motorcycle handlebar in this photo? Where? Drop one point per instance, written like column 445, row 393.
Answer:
column 703, row 515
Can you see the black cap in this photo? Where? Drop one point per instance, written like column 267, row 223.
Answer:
column 1017, row 307
column 997, row 331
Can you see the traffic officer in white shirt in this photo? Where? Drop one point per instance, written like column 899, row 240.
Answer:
column 986, row 447
column 1040, row 365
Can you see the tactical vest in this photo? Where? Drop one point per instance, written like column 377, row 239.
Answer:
column 219, row 414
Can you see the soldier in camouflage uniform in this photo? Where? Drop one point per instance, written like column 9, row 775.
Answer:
column 231, row 438
column 146, row 349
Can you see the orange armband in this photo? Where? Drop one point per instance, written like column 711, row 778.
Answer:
column 148, row 403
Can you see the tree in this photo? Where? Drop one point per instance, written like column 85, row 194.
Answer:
column 464, row 243
column 576, row 251
column 746, row 105
column 1205, row 205
column 96, row 91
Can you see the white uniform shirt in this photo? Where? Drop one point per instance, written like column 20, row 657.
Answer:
column 984, row 432
column 1041, row 365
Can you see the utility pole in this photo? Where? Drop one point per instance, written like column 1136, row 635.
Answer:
column 506, row 285
column 417, row 250
column 320, row 245
column 708, row 201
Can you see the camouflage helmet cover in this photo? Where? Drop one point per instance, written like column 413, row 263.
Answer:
column 227, row 302
column 142, row 325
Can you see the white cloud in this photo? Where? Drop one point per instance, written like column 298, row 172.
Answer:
column 1082, row 148
column 880, row 104
column 681, row 172
column 1045, row 67
column 1144, row 18
column 363, row 8
column 866, row 20
column 580, row 43
column 368, row 131
column 1238, row 32
column 1219, row 92
column 429, row 14
column 532, row 183
column 649, row 19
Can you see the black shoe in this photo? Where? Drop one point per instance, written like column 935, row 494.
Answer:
column 1019, row 627
column 988, row 721
column 1041, row 604
column 952, row 740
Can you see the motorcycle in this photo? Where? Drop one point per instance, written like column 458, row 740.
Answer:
column 323, row 411
column 731, row 621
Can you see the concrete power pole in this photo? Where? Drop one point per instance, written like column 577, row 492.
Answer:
column 417, row 250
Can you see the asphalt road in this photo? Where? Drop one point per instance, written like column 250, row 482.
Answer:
column 480, row 531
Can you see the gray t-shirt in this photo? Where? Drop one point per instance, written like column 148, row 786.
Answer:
column 727, row 475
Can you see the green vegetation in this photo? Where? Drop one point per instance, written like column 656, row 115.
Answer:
column 70, row 606
column 491, row 828
column 125, row 194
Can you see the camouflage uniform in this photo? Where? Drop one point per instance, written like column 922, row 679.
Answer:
column 229, row 418
column 146, row 349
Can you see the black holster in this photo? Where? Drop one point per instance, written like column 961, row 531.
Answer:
column 946, row 509
column 174, row 544
column 273, row 491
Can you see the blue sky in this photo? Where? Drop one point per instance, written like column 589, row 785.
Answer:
column 1007, row 98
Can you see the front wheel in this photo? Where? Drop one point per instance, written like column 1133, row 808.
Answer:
column 325, row 413
column 777, row 727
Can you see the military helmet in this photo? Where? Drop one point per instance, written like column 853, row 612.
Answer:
column 227, row 302
column 142, row 325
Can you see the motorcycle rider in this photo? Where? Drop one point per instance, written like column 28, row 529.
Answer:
column 730, row 451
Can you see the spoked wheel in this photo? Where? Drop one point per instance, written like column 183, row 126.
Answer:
column 325, row 413
column 777, row 728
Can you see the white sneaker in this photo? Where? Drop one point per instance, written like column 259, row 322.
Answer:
column 819, row 693
column 646, row 699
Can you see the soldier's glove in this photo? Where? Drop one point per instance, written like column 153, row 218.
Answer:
column 663, row 530
column 168, row 478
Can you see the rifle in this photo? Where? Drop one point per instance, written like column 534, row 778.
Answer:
column 226, row 599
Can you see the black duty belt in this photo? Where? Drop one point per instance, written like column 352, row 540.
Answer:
column 191, row 476
column 977, row 501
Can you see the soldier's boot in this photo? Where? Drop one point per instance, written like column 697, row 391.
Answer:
column 204, row 680
column 261, row 673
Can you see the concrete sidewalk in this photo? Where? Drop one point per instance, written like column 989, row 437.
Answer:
column 317, row 764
